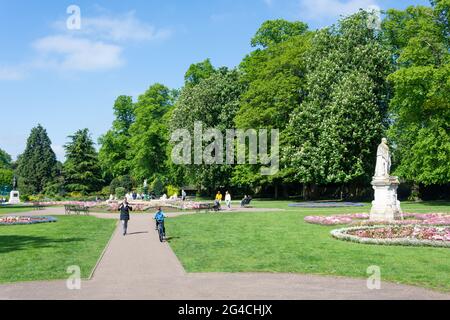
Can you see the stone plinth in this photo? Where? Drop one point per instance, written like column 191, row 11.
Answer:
column 14, row 197
column 385, row 207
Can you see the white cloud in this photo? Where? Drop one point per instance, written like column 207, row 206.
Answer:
column 320, row 10
column 9, row 73
column 98, row 45
column 64, row 52
column 268, row 2
column 119, row 28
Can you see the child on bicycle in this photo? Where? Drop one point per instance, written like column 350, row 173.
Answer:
column 159, row 218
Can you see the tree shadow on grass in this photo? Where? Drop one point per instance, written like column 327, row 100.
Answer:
column 9, row 243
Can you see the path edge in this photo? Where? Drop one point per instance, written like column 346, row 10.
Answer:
column 103, row 253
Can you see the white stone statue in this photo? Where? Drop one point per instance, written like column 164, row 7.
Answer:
column 385, row 207
column 383, row 166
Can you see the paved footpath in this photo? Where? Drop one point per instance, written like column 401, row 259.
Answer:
column 138, row 266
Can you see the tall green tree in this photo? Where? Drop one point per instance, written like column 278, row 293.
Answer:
column 276, row 31
column 275, row 81
column 213, row 102
column 5, row 159
column 420, row 107
column 115, row 144
column 149, row 133
column 198, row 71
column 82, row 169
column 334, row 133
column 6, row 178
column 37, row 164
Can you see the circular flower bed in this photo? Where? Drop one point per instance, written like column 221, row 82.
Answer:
column 336, row 219
column 409, row 235
column 434, row 219
column 14, row 220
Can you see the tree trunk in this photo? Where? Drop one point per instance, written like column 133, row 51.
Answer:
column 285, row 191
column 415, row 192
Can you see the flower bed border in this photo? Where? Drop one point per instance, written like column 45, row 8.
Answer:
column 341, row 234
column 47, row 220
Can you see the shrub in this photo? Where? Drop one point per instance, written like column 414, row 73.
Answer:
column 120, row 192
column 157, row 186
column 106, row 191
column 75, row 194
column 171, row 190
column 125, row 182
column 6, row 177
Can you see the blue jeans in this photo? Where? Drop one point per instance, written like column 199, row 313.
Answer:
column 124, row 226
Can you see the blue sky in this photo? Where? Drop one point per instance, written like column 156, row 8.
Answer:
column 68, row 79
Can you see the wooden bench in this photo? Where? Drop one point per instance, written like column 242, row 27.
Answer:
column 205, row 206
column 246, row 202
column 38, row 206
column 76, row 209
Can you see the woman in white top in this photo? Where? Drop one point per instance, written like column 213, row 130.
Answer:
column 228, row 200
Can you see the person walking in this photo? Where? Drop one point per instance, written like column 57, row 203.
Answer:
column 125, row 209
column 228, row 199
column 219, row 196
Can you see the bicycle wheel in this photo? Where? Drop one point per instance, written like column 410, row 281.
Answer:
column 160, row 232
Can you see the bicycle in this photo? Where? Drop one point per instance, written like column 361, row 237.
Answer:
column 160, row 227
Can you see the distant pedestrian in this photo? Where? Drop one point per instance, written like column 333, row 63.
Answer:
column 244, row 201
column 228, row 199
column 183, row 195
column 125, row 209
column 219, row 196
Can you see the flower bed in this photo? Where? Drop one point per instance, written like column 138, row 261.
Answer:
column 142, row 206
column 14, row 220
column 336, row 219
column 89, row 204
column 410, row 235
column 434, row 219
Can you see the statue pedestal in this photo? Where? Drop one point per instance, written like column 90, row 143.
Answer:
column 385, row 207
column 14, row 197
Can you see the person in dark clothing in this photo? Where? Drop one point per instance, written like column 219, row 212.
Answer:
column 125, row 209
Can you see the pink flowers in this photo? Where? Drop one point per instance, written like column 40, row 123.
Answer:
column 434, row 219
column 12, row 220
column 336, row 219
column 431, row 229
column 75, row 203
column 404, row 235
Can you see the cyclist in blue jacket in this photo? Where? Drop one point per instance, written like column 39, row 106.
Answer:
column 159, row 217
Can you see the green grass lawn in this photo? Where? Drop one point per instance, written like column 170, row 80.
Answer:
column 44, row 251
column 14, row 209
column 283, row 242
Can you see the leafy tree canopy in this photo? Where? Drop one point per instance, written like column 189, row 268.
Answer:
column 5, row 159
column 198, row 71
column 276, row 31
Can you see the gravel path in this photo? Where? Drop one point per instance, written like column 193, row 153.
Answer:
column 138, row 266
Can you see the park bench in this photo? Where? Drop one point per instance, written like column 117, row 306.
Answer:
column 38, row 206
column 204, row 206
column 76, row 209
column 246, row 202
